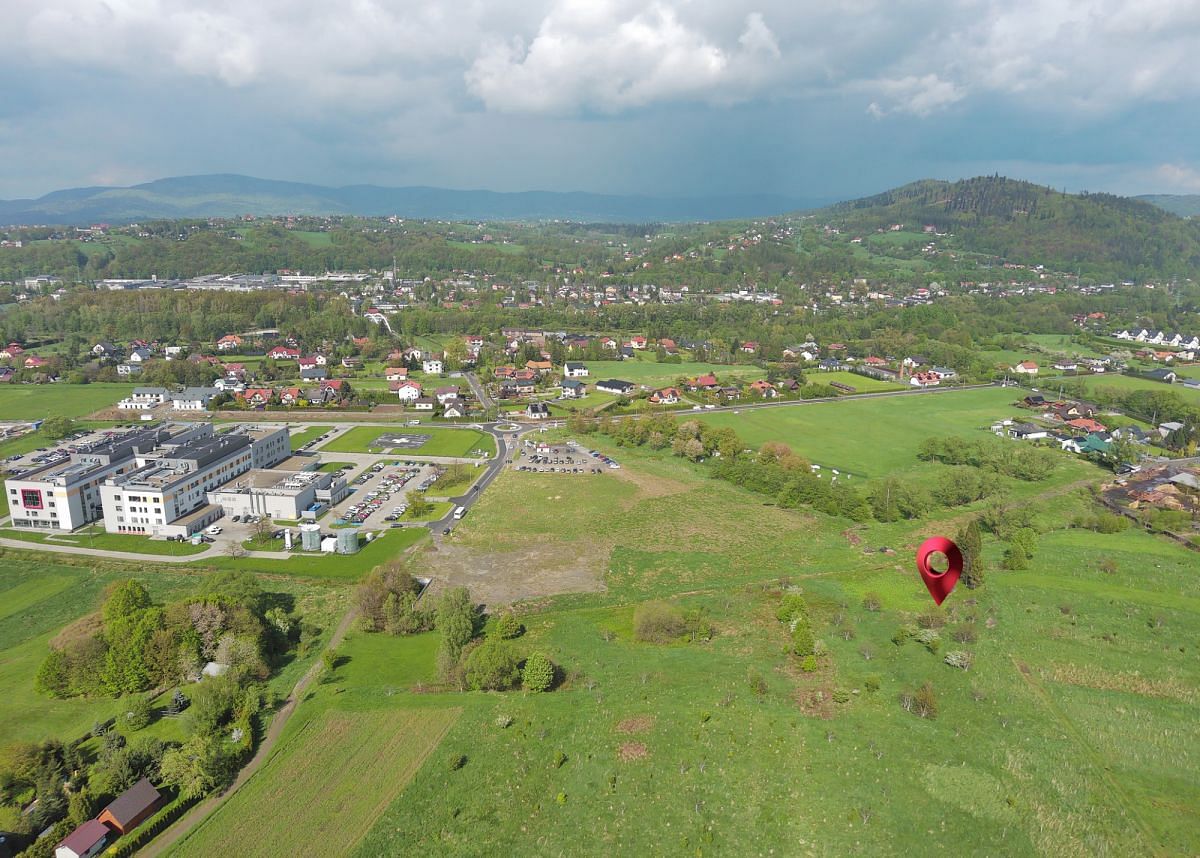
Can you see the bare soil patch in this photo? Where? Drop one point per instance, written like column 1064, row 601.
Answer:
column 649, row 486
column 636, row 725
column 502, row 577
column 631, row 751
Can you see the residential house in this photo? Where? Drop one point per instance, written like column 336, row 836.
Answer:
column 575, row 369
column 313, row 373
column 351, row 362
column 924, row 379
column 6, row 374
column 85, row 841
column 229, row 342
column 127, row 369
column 406, row 391
column 132, row 807
column 667, row 344
column 1034, row 400
column 625, row 353
column 139, row 355
column 537, row 411
column 541, row 367
column 144, row 399
column 1027, row 432
column 1026, row 367
column 105, row 349
column 666, row 396
column 1165, row 429
column 1166, row 376
column 1066, row 365
column 764, row 389
column 424, row 404
column 638, row 342
column 256, row 395
column 396, row 373
column 704, row 382
column 503, row 371
column 944, row 372
column 432, row 366
column 444, row 394
column 572, row 389
column 454, row 407
column 172, row 352
column 750, row 348
column 516, row 387
column 789, row 385
column 831, row 365
column 798, row 353
column 616, row 386
column 609, row 343
column 1086, row 424
column 306, row 363
column 234, row 370
column 412, row 353
column 291, row 396
column 192, row 399
column 35, row 362
column 11, row 352
column 872, row 360
column 229, row 384
column 284, row 353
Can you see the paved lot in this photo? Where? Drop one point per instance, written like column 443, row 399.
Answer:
column 559, row 458
column 389, row 484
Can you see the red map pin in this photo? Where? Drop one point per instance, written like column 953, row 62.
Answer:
column 939, row 583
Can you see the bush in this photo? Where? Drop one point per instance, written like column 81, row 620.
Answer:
column 903, row 635
column 508, row 627
column 930, row 639
column 871, row 682
column 803, row 643
column 492, row 666
column 871, row 602
column 791, row 606
column 656, row 622
column 958, row 658
column 809, row 664
column 138, row 714
column 841, row 695
column 538, row 673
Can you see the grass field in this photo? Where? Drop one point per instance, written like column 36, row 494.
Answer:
column 299, row 439
column 861, row 383
column 325, row 788
column 1126, row 383
column 436, row 511
column 442, row 442
column 872, row 437
column 37, row 401
column 1070, row 734
column 344, row 567
column 654, row 374
column 108, row 541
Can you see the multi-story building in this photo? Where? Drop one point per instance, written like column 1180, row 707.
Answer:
column 66, row 495
column 167, row 493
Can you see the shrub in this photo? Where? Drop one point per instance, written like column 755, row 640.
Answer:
column 802, row 640
column 841, row 695
column 871, row 682
column 538, row 673
column 809, row 664
column 656, row 622
column 560, row 759
column 508, row 627
column 457, row 761
column 791, row 606
column 871, row 602
column 492, row 666
column 925, row 702
column 903, row 635
column 930, row 639
column 138, row 714
column 958, row 658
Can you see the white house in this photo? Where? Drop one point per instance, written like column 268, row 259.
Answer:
column 431, row 366
column 575, row 369
column 85, row 841
column 1026, row 367
column 139, row 355
column 193, row 398
column 144, row 398
column 129, row 368
column 407, row 391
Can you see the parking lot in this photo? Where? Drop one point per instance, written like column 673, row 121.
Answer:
column 378, row 496
column 568, row 458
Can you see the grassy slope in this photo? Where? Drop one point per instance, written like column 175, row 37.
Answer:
column 1128, row 382
column 660, row 374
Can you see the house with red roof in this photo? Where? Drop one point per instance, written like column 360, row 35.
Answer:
column 764, row 389
column 256, row 395
column 291, row 396
column 11, row 351
column 396, row 373
column 35, row 362
column 875, row 361
column 1026, row 367
column 228, row 342
column 704, row 382
column 1087, row 424
column 85, row 841
column 750, row 347
column 284, row 353
column 666, row 396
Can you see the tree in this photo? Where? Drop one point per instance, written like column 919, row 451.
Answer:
column 198, row 766
column 492, row 666
column 538, row 673
column 57, row 427
column 508, row 626
column 418, row 506
column 657, row 622
column 970, row 542
column 455, row 622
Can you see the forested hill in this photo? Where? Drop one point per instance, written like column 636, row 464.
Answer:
column 1184, row 205
column 232, row 195
column 1030, row 223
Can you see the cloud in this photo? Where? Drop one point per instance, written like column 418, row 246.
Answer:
column 612, row 56
column 919, row 96
column 1177, row 178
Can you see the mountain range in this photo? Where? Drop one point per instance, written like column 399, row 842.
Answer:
column 1184, row 205
column 228, row 195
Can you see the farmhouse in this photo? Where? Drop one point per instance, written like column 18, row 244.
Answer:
column 284, row 353
column 1166, row 376
column 616, row 386
column 1027, row 432
column 396, row 373
column 229, row 342
column 407, row 391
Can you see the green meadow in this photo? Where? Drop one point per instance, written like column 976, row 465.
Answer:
column 442, row 442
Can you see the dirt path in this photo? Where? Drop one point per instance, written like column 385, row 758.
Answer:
column 180, row 828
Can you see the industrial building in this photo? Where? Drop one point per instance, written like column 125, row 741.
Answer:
column 279, row 494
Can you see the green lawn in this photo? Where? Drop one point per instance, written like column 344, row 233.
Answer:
column 299, row 439
column 1126, row 383
column 860, row 383
column 872, row 437
column 654, row 374
column 442, row 442
column 109, row 541
column 36, row 401
column 328, row 467
column 436, row 511
column 342, row 567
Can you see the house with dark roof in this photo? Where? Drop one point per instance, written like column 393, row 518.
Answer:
column 572, row 389
column 1027, row 432
column 85, row 841
column 1166, row 376
column 132, row 807
column 537, row 411
column 616, row 386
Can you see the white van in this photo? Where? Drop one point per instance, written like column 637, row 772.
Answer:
column 460, row 512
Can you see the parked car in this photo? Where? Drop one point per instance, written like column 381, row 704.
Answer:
column 213, row 530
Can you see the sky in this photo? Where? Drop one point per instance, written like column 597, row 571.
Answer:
column 808, row 98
